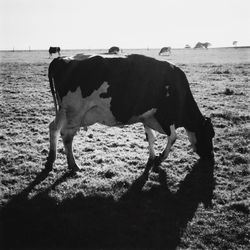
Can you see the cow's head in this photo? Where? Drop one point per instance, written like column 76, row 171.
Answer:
column 204, row 136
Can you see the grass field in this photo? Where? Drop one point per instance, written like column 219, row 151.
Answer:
column 191, row 206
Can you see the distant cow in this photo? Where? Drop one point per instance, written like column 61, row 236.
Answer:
column 200, row 45
column 122, row 90
column 53, row 50
column 114, row 50
column 165, row 51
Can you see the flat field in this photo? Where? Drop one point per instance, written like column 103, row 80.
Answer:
column 192, row 206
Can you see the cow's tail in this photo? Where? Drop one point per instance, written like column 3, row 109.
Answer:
column 52, row 87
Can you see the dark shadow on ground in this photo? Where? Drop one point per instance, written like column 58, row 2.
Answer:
column 151, row 219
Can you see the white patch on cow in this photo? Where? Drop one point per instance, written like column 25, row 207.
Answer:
column 72, row 100
column 89, row 110
column 80, row 57
column 77, row 57
column 192, row 139
column 100, row 111
column 67, row 58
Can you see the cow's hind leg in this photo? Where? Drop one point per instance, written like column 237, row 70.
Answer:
column 54, row 130
column 68, row 136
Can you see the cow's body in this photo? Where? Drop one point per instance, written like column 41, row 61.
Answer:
column 165, row 51
column 53, row 50
column 119, row 90
column 114, row 50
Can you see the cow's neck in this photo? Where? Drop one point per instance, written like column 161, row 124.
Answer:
column 193, row 118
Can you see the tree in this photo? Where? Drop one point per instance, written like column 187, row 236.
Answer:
column 206, row 45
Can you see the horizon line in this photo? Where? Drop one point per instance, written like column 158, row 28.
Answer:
column 142, row 48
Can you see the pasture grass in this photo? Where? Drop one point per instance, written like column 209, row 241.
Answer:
column 191, row 205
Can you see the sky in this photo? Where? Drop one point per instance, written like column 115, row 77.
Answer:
column 100, row 24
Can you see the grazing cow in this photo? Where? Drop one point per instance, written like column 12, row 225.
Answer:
column 121, row 90
column 200, row 45
column 114, row 50
column 165, row 51
column 53, row 50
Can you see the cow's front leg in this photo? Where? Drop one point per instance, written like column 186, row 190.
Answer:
column 164, row 155
column 67, row 137
column 150, row 136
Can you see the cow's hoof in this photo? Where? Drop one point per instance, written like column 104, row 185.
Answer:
column 48, row 166
column 157, row 162
column 139, row 183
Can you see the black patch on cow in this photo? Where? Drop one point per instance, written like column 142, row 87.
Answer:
column 137, row 84
column 88, row 74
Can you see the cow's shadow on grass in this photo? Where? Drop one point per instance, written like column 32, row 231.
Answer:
column 150, row 219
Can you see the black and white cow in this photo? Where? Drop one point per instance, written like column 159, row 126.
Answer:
column 120, row 90
column 165, row 51
column 114, row 50
column 53, row 50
